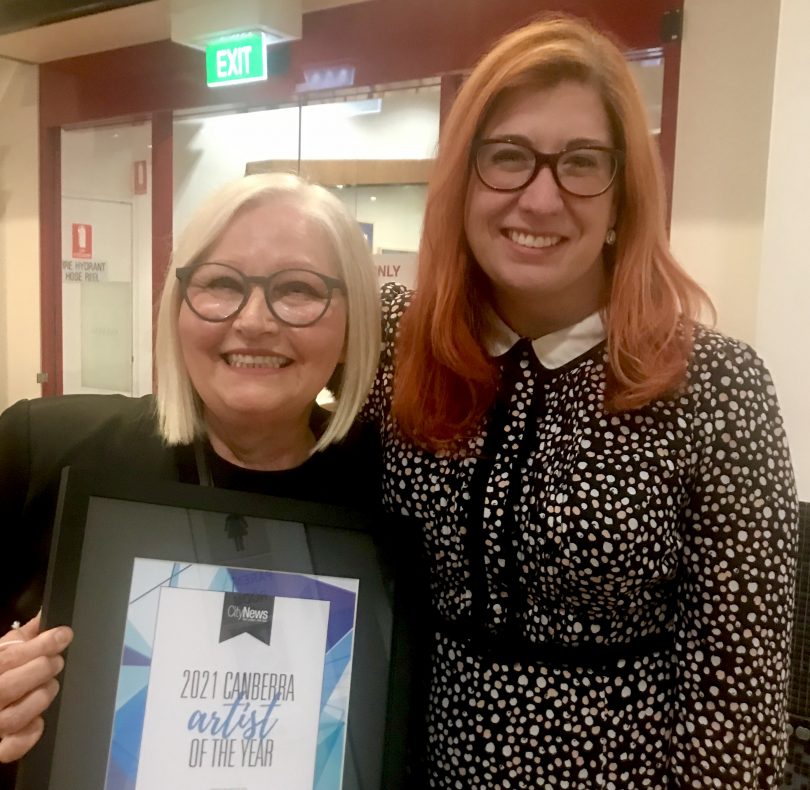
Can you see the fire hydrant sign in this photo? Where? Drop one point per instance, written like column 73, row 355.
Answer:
column 82, row 240
column 80, row 267
column 139, row 177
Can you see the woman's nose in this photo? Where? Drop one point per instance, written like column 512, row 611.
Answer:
column 543, row 194
column 255, row 316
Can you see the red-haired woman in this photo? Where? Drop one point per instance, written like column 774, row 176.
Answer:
column 603, row 484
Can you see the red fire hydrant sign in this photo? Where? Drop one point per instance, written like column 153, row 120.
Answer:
column 139, row 177
column 82, row 241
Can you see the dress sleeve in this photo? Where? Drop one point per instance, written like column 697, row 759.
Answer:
column 394, row 298
column 15, row 460
column 737, row 589
column 15, row 465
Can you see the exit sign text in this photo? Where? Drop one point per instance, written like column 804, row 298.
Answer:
column 235, row 60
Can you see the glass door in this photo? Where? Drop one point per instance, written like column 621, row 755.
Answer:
column 106, row 260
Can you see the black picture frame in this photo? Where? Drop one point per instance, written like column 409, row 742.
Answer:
column 103, row 524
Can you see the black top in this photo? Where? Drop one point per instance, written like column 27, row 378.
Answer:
column 116, row 434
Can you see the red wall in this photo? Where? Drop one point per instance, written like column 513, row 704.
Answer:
column 387, row 41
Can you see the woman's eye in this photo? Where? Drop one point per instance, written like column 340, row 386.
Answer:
column 296, row 289
column 510, row 157
column 223, row 284
column 580, row 160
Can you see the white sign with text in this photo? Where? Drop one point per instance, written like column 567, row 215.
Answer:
column 234, row 691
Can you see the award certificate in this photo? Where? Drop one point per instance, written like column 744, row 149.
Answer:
column 223, row 641
column 228, row 679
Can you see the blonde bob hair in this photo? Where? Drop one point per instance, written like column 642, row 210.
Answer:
column 445, row 382
column 179, row 407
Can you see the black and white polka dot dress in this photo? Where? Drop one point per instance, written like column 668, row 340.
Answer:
column 611, row 594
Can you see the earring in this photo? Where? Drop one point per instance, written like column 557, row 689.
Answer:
column 610, row 237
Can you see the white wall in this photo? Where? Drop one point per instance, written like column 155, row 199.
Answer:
column 19, row 233
column 721, row 159
column 783, row 319
column 211, row 150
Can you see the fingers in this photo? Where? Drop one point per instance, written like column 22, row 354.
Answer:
column 15, row 653
column 18, row 716
column 29, row 662
column 14, row 746
column 17, row 683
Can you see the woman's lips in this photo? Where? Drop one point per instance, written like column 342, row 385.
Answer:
column 256, row 360
column 532, row 241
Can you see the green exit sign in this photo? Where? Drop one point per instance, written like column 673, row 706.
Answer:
column 236, row 60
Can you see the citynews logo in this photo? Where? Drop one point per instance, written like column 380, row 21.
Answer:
column 246, row 614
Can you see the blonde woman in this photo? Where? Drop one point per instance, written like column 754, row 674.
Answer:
column 270, row 296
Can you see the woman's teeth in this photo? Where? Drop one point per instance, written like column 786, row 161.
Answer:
column 536, row 242
column 256, row 361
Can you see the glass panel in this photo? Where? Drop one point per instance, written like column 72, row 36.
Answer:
column 106, row 341
column 648, row 69
column 391, row 218
column 107, row 260
column 348, row 146
column 371, row 159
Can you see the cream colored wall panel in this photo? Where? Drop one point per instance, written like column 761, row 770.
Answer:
column 19, row 233
column 783, row 321
column 721, row 158
column 720, row 258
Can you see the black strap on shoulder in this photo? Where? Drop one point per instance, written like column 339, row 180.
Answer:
column 203, row 467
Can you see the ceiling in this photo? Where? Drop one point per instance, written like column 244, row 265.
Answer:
column 139, row 23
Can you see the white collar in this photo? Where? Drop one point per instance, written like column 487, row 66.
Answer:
column 553, row 350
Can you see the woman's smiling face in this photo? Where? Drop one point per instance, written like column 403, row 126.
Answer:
column 541, row 247
column 253, row 368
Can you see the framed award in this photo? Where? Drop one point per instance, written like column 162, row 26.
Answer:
column 223, row 641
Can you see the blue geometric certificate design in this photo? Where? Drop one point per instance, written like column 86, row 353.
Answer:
column 232, row 678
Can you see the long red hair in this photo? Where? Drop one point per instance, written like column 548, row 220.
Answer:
column 445, row 382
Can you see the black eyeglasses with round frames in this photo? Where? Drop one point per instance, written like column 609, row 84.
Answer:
column 218, row 291
column 508, row 165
